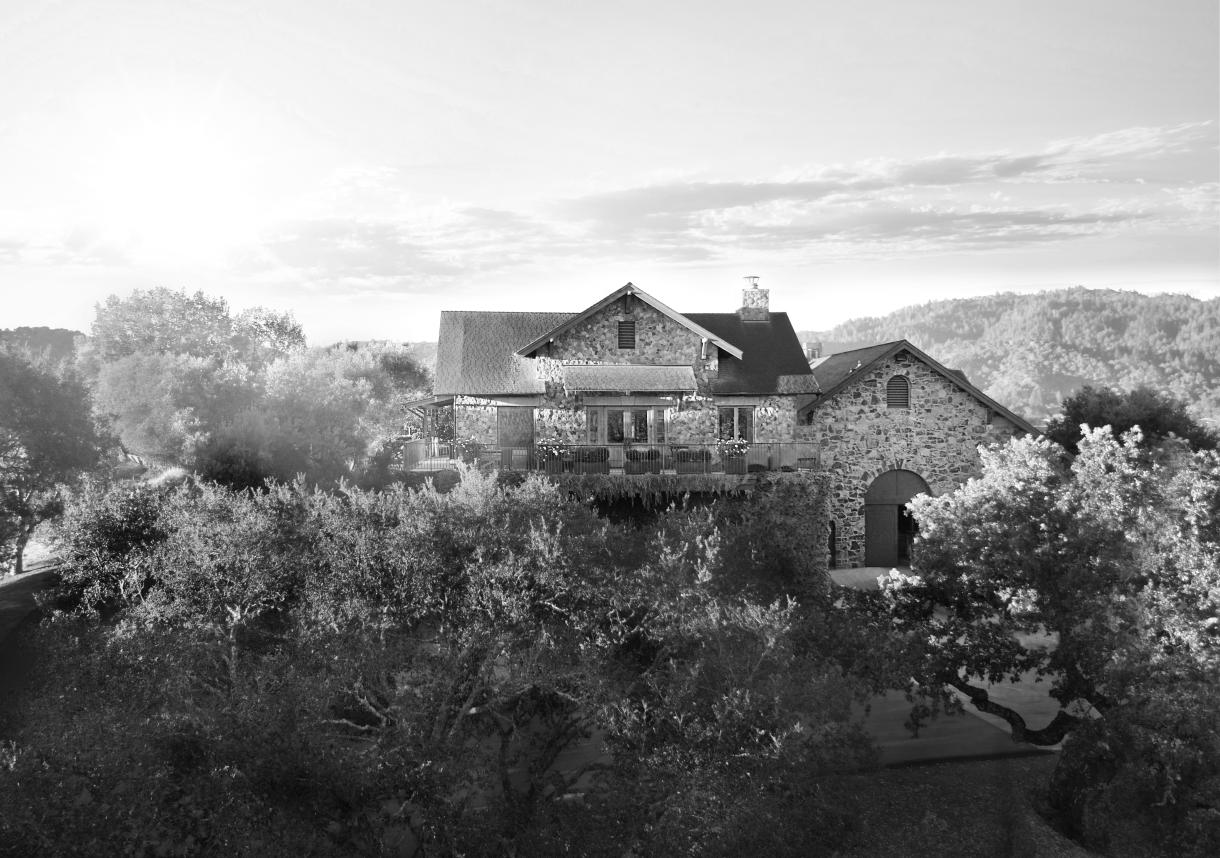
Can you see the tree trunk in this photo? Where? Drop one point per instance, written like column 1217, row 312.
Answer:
column 24, row 532
column 1052, row 734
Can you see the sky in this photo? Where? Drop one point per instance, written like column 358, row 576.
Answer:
column 368, row 163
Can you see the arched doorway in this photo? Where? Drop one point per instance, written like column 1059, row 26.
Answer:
column 889, row 530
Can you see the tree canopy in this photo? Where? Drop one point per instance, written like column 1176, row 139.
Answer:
column 1103, row 576
column 239, row 398
column 1157, row 414
column 47, row 437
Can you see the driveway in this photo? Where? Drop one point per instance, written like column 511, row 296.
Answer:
column 950, row 737
column 17, row 593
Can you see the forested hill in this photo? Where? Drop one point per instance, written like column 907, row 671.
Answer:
column 54, row 344
column 1029, row 351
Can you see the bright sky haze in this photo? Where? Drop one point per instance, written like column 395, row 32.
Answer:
column 368, row 163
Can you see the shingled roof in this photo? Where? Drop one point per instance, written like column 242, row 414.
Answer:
column 476, row 351
column 629, row 378
column 837, row 371
column 772, row 359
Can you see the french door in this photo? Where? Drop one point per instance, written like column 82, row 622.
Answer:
column 611, row 424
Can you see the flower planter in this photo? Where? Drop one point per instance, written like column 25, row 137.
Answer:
column 602, row 467
column 630, row 467
column 557, row 466
column 734, row 464
column 700, row 467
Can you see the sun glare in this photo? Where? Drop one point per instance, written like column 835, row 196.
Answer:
column 174, row 192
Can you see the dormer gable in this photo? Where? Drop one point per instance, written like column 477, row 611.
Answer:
column 617, row 320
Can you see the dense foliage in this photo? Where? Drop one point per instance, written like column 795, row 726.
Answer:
column 239, row 398
column 1031, row 351
column 1158, row 415
column 1102, row 575
column 413, row 673
column 47, row 437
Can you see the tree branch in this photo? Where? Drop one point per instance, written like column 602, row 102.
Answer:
column 1052, row 734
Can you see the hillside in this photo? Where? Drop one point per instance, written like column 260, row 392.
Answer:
column 1029, row 351
column 52, row 344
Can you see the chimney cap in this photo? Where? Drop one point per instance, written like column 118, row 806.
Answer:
column 752, row 280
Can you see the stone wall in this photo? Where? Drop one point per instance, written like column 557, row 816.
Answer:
column 775, row 419
column 476, row 418
column 559, row 424
column 694, row 424
column 860, row 438
column 658, row 340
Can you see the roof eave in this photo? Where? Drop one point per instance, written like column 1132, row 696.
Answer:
column 962, row 383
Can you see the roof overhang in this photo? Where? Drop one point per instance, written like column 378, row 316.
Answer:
column 956, row 377
column 428, row 402
column 628, row 378
column 630, row 289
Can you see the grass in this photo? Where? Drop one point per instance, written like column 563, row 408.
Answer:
column 984, row 808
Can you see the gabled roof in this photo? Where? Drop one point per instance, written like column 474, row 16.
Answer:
column 772, row 360
column 475, row 352
column 628, row 289
column 837, row 371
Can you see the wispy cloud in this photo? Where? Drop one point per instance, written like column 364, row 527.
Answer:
column 363, row 229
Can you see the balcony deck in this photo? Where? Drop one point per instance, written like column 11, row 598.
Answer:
column 630, row 460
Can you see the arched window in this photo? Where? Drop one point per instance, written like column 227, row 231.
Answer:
column 898, row 392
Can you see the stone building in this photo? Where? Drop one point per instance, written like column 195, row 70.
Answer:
column 631, row 386
column 890, row 422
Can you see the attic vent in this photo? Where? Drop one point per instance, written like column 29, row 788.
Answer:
column 626, row 334
column 898, row 392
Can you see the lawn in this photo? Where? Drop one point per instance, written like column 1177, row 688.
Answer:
column 984, row 808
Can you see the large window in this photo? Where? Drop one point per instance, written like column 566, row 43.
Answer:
column 736, row 423
column 614, row 425
column 898, row 392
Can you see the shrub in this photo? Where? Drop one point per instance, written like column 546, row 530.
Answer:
column 643, row 454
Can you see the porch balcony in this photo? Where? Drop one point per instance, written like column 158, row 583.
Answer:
column 635, row 459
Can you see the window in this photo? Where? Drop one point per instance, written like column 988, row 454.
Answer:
column 736, row 422
column 898, row 392
column 611, row 425
column 626, row 334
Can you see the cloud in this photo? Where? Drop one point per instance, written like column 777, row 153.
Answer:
column 363, row 231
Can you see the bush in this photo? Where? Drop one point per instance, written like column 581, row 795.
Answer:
column 107, row 534
column 359, row 672
column 643, row 454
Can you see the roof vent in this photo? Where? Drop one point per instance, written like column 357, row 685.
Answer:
column 755, row 302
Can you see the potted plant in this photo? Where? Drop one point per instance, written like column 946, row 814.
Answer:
column 593, row 460
column 554, row 456
column 692, row 460
column 733, row 454
column 643, row 460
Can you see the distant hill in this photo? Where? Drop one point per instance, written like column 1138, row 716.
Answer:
column 1029, row 351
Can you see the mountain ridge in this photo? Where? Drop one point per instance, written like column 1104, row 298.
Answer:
column 1030, row 351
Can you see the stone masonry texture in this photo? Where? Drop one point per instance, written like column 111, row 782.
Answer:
column 859, row 438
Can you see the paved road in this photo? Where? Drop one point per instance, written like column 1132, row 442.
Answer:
column 17, row 594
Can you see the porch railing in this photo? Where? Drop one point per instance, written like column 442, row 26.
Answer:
column 432, row 455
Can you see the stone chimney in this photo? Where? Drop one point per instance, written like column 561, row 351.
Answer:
column 813, row 351
column 755, row 303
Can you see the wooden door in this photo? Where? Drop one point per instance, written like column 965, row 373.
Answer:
column 881, row 535
column 515, row 425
